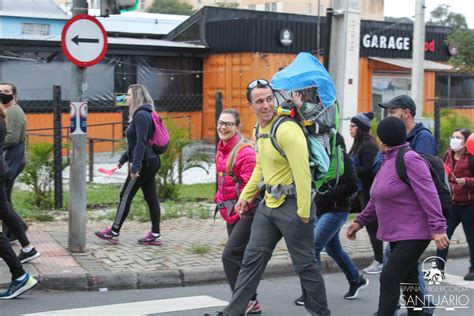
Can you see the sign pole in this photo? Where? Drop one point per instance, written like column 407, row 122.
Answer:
column 77, row 182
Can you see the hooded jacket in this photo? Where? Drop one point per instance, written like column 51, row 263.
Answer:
column 461, row 195
column 422, row 141
column 138, row 133
column 243, row 168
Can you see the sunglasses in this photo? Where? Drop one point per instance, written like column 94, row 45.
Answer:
column 258, row 82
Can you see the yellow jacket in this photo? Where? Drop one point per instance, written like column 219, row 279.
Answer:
column 273, row 169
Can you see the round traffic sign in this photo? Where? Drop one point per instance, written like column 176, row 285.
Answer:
column 84, row 40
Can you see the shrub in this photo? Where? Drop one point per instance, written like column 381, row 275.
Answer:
column 451, row 120
column 39, row 174
column 173, row 164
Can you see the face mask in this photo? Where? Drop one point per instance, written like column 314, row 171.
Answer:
column 455, row 144
column 6, row 98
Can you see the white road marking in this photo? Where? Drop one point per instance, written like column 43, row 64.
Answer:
column 142, row 308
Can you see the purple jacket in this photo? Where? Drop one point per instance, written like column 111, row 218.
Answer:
column 404, row 213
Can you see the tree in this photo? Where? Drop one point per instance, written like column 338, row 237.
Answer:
column 442, row 16
column 463, row 41
column 398, row 19
column 170, row 7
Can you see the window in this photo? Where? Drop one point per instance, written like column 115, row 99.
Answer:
column 455, row 90
column 252, row 7
column 387, row 86
column 310, row 8
column 273, row 6
column 267, row 6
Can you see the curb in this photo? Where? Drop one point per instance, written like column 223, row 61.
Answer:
column 185, row 277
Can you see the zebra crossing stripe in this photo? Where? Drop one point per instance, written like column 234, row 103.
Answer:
column 142, row 308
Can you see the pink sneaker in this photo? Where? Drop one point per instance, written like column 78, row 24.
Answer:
column 150, row 239
column 107, row 235
column 253, row 307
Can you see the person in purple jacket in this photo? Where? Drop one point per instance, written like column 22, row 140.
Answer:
column 408, row 218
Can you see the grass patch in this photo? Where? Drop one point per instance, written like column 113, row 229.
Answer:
column 193, row 203
column 200, row 249
column 199, row 191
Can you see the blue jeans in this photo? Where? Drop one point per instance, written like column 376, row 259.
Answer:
column 326, row 235
column 421, row 280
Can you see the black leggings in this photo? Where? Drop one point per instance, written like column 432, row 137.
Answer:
column 10, row 258
column 239, row 236
column 147, row 182
column 9, row 217
column 402, row 267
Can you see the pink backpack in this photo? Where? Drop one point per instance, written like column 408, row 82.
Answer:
column 160, row 138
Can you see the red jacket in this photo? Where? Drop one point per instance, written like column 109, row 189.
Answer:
column 460, row 169
column 243, row 168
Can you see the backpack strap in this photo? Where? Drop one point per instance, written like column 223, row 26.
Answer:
column 231, row 162
column 272, row 134
column 400, row 165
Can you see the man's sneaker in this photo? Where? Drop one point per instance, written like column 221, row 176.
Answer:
column 374, row 268
column 28, row 256
column 253, row 307
column 151, row 239
column 299, row 301
column 470, row 275
column 355, row 287
column 16, row 288
column 108, row 235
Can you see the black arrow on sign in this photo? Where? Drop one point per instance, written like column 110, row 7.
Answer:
column 78, row 40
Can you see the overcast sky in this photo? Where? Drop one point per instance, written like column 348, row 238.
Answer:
column 406, row 8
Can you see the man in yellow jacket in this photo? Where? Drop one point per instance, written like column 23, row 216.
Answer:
column 287, row 210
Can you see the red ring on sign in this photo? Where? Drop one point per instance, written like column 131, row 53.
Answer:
column 65, row 49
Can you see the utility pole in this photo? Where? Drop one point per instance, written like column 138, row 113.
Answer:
column 77, row 178
column 417, row 74
column 344, row 59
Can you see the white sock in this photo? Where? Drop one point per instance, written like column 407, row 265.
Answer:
column 27, row 249
column 21, row 278
column 155, row 234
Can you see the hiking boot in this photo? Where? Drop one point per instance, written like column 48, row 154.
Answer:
column 374, row 268
column 355, row 287
column 253, row 307
column 299, row 301
column 28, row 256
column 470, row 275
column 151, row 239
column 108, row 235
column 16, row 288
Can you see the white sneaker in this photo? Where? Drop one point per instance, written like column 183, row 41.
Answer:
column 374, row 268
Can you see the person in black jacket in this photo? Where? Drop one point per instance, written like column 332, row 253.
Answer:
column 332, row 209
column 145, row 163
column 363, row 152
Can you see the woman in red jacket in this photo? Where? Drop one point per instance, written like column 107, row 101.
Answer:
column 235, row 161
column 462, row 187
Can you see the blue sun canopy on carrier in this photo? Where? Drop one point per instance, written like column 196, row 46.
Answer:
column 304, row 72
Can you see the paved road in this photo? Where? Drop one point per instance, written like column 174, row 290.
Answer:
column 276, row 294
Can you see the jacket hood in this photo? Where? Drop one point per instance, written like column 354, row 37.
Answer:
column 144, row 107
column 418, row 128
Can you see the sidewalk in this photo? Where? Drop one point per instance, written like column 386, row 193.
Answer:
column 175, row 263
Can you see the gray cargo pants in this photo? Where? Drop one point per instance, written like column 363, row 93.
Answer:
column 268, row 227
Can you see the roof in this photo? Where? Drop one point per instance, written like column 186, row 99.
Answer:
column 46, row 9
column 408, row 63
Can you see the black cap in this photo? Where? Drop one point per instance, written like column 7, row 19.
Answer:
column 403, row 102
